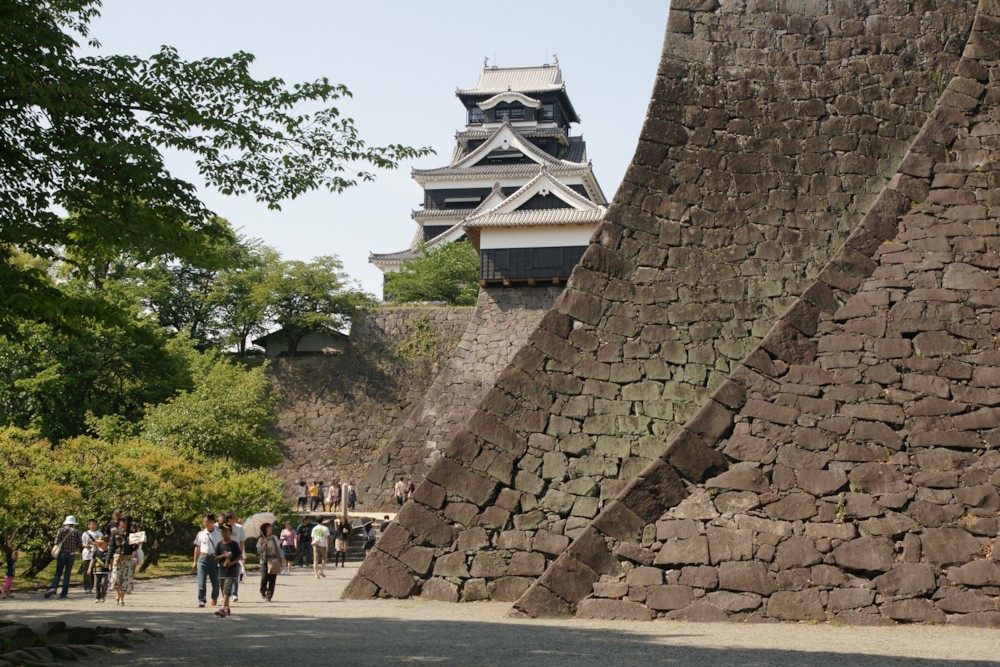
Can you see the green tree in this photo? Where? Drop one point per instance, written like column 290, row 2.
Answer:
column 448, row 273
column 86, row 134
column 51, row 380
column 227, row 414
column 308, row 296
column 242, row 294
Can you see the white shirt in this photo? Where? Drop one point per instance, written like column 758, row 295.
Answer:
column 302, row 490
column 239, row 534
column 88, row 538
column 207, row 541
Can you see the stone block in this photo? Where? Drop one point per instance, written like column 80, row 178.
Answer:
column 569, row 579
column 610, row 589
column 740, row 478
column 425, row 525
column 510, row 589
column 700, row 576
column 796, row 552
column 462, row 482
column 439, row 590
column 820, row 482
column 418, row 559
column 540, row 602
column 841, row 599
column 967, row 602
column 949, row 546
column 746, row 576
column 865, row 554
column 692, row 457
column 877, row 478
column 734, row 602
column 618, row 521
column 394, row 578
column 613, row 610
column 701, row 612
column 549, row 543
column 913, row 611
column 644, row 576
column 793, row 507
column 906, row 579
column 796, row 606
column 729, row 544
column 488, row 565
column 978, row 573
column 668, row 598
column 591, row 548
column 692, row 551
column 451, row 565
column 527, row 564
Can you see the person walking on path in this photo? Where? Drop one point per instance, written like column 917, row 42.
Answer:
column 89, row 540
column 304, row 531
column 321, row 549
column 227, row 555
column 206, row 543
column 303, row 495
column 116, row 518
column 122, row 552
column 240, row 537
column 384, row 524
column 341, row 538
column 289, row 542
column 271, row 557
column 97, row 569
column 8, row 577
column 67, row 545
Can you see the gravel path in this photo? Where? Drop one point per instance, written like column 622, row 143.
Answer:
column 308, row 624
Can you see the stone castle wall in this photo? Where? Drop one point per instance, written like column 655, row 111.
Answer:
column 772, row 129
column 499, row 327
column 337, row 413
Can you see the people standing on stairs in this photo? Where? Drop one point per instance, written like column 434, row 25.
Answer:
column 314, row 497
column 271, row 556
column 335, row 496
column 352, row 496
column 342, row 537
column 304, row 532
column 89, row 540
column 321, row 549
column 399, row 491
column 369, row 537
column 67, row 545
column 384, row 524
column 303, row 496
column 289, row 543
column 321, row 492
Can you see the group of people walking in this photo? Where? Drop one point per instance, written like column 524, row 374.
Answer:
column 308, row 545
column 318, row 496
column 110, row 557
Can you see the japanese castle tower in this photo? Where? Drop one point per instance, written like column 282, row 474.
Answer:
column 519, row 185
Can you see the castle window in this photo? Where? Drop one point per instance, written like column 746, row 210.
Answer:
column 476, row 115
column 513, row 113
column 547, row 112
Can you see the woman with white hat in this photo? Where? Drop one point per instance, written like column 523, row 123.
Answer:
column 67, row 545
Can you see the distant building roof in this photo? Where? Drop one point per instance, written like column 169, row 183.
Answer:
column 508, row 213
column 332, row 333
column 537, row 79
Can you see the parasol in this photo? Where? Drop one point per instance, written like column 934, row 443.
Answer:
column 252, row 525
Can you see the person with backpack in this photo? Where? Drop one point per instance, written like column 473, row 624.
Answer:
column 98, row 570
column 68, row 543
column 352, row 496
column 321, row 549
column 369, row 537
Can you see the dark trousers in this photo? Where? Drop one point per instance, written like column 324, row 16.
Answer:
column 88, row 579
column 302, row 503
column 267, row 581
column 313, row 504
column 64, row 570
column 305, row 553
column 101, row 585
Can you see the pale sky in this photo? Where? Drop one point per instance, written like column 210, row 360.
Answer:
column 403, row 62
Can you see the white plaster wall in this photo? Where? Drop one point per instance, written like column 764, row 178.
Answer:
column 536, row 237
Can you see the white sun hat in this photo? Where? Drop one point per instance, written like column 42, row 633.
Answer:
column 70, row 521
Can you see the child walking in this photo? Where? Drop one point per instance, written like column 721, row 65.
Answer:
column 228, row 554
column 8, row 579
column 98, row 569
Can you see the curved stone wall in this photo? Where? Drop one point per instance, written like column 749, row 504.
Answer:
column 773, row 127
column 500, row 325
column 854, row 473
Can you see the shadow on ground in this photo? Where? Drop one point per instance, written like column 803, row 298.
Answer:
column 261, row 639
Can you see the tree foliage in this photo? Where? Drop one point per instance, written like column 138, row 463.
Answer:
column 448, row 273
column 166, row 490
column 87, row 133
column 225, row 415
